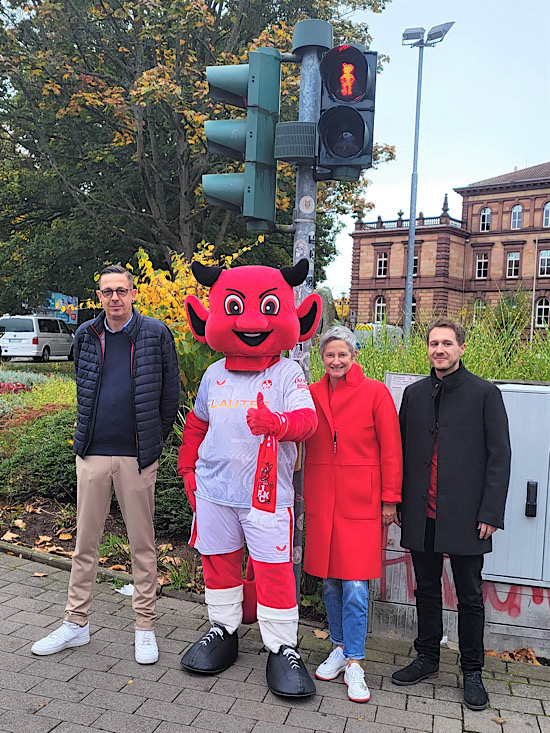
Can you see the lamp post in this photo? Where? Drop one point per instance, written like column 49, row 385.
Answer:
column 415, row 37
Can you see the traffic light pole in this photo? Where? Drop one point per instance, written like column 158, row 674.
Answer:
column 304, row 220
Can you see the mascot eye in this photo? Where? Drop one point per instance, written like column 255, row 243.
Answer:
column 234, row 305
column 270, row 305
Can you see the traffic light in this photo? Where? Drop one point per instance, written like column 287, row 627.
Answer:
column 346, row 123
column 255, row 87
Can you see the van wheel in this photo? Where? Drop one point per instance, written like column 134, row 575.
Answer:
column 46, row 354
column 71, row 354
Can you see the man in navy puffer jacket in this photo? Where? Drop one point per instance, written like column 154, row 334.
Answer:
column 128, row 395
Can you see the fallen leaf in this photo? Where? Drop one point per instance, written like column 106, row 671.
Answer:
column 130, row 682
column 40, row 575
column 525, row 655
column 65, row 536
column 320, row 634
column 19, row 523
column 10, row 536
column 163, row 580
column 498, row 720
column 165, row 548
column 117, row 567
column 31, row 510
column 43, row 539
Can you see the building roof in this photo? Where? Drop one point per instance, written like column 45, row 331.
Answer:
column 535, row 172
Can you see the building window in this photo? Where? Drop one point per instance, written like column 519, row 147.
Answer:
column 413, row 310
column 516, row 217
column 546, row 215
column 482, row 266
column 485, row 220
column 380, row 309
column 480, row 306
column 544, row 263
column 512, row 264
column 382, row 264
column 543, row 312
column 415, row 264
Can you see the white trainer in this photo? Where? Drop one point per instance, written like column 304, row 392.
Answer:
column 66, row 636
column 146, row 651
column 333, row 665
column 354, row 677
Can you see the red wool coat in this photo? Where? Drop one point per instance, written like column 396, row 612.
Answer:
column 353, row 463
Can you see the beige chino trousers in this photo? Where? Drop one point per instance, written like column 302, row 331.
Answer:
column 97, row 476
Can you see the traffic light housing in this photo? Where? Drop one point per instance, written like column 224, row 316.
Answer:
column 255, row 87
column 346, row 122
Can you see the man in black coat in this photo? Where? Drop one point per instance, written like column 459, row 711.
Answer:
column 128, row 395
column 456, row 468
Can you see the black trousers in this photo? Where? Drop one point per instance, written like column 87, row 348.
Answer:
column 428, row 567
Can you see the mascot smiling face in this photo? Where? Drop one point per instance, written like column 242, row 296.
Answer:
column 252, row 316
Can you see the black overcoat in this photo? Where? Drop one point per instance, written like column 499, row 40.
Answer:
column 473, row 463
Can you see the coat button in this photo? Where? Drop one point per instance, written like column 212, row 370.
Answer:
column 427, row 463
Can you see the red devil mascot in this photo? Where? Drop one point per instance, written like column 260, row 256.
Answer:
column 237, row 459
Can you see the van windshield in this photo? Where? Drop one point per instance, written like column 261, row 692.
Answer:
column 19, row 325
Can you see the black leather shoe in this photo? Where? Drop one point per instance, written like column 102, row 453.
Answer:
column 287, row 674
column 419, row 669
column 216, row 651
column 475, row 694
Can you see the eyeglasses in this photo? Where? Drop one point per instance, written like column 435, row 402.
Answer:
column 121, row 292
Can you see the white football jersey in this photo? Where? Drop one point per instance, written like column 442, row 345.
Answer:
column 228, row 454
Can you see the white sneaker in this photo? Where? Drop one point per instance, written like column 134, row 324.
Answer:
column 67, row 635
column 354, row 677
column 335, row 663
column 146, row 651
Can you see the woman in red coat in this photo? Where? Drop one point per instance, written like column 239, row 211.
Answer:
column 353, row 474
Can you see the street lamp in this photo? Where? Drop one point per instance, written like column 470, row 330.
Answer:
column 415, row 37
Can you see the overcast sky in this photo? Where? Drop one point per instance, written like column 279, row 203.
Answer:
column 485, row 104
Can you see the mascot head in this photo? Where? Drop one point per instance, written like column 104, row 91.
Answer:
column 252, row 316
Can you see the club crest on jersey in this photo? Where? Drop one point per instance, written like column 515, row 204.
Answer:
column 267, row 384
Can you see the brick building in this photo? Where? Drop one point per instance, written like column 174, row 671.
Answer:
column 501, row 243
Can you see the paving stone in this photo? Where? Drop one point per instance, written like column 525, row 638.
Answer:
column 316, row 721
column 223, row 723
column 31, row 619
column 447, row 725
column 114, row 701
column 546, row 706
column 388, row 699
column 481, row 721
column 347, row 708
column 57, row 689
column 531, row 671
column 11, row 643
column 544, row 724
column 71, row 712
column 107, row 621
column 74, row 728
column 20, row 681
column 442, row 708
column 365, row 726
column 453, row 694
column 27, row 604
column 236, row 689
column 253, row 661
column 51, row 670
column 17, row 722
column 87, row 659
column 103, row 680
column 536, row 691
column 263, row 727
column 500, row 686
column 397, row 646
column 179, row 678
column 155, row 690
column 422, row 689
column 519, row 704
column 119, row 651
column 131, row 669
column 259, row 711
column 166, row 727
column 25, row 701
column 519, row 723
column 169, row 711
column 406, row 718
column 118, row 722
column 206, row 701
column 235, row 673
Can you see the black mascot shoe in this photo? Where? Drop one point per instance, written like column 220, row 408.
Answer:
column 214, row 652
column 287, row 674
column 475, row 695
column 419, row 669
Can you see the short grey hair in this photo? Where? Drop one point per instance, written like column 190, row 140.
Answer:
column 338, row 333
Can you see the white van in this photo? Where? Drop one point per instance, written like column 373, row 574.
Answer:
column 39, row 337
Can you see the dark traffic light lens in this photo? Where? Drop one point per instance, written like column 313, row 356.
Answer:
column 342, row 131
column 344, row 71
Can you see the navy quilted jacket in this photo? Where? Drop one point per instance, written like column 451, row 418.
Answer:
column 155, row 382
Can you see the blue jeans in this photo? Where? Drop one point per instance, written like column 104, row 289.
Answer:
column 347, row 603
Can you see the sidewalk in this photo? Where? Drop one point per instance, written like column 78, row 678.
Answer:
column 99, row 687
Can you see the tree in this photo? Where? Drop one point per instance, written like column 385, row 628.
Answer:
column 102, row 102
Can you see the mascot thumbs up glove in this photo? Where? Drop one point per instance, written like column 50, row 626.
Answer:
column 294, row 426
